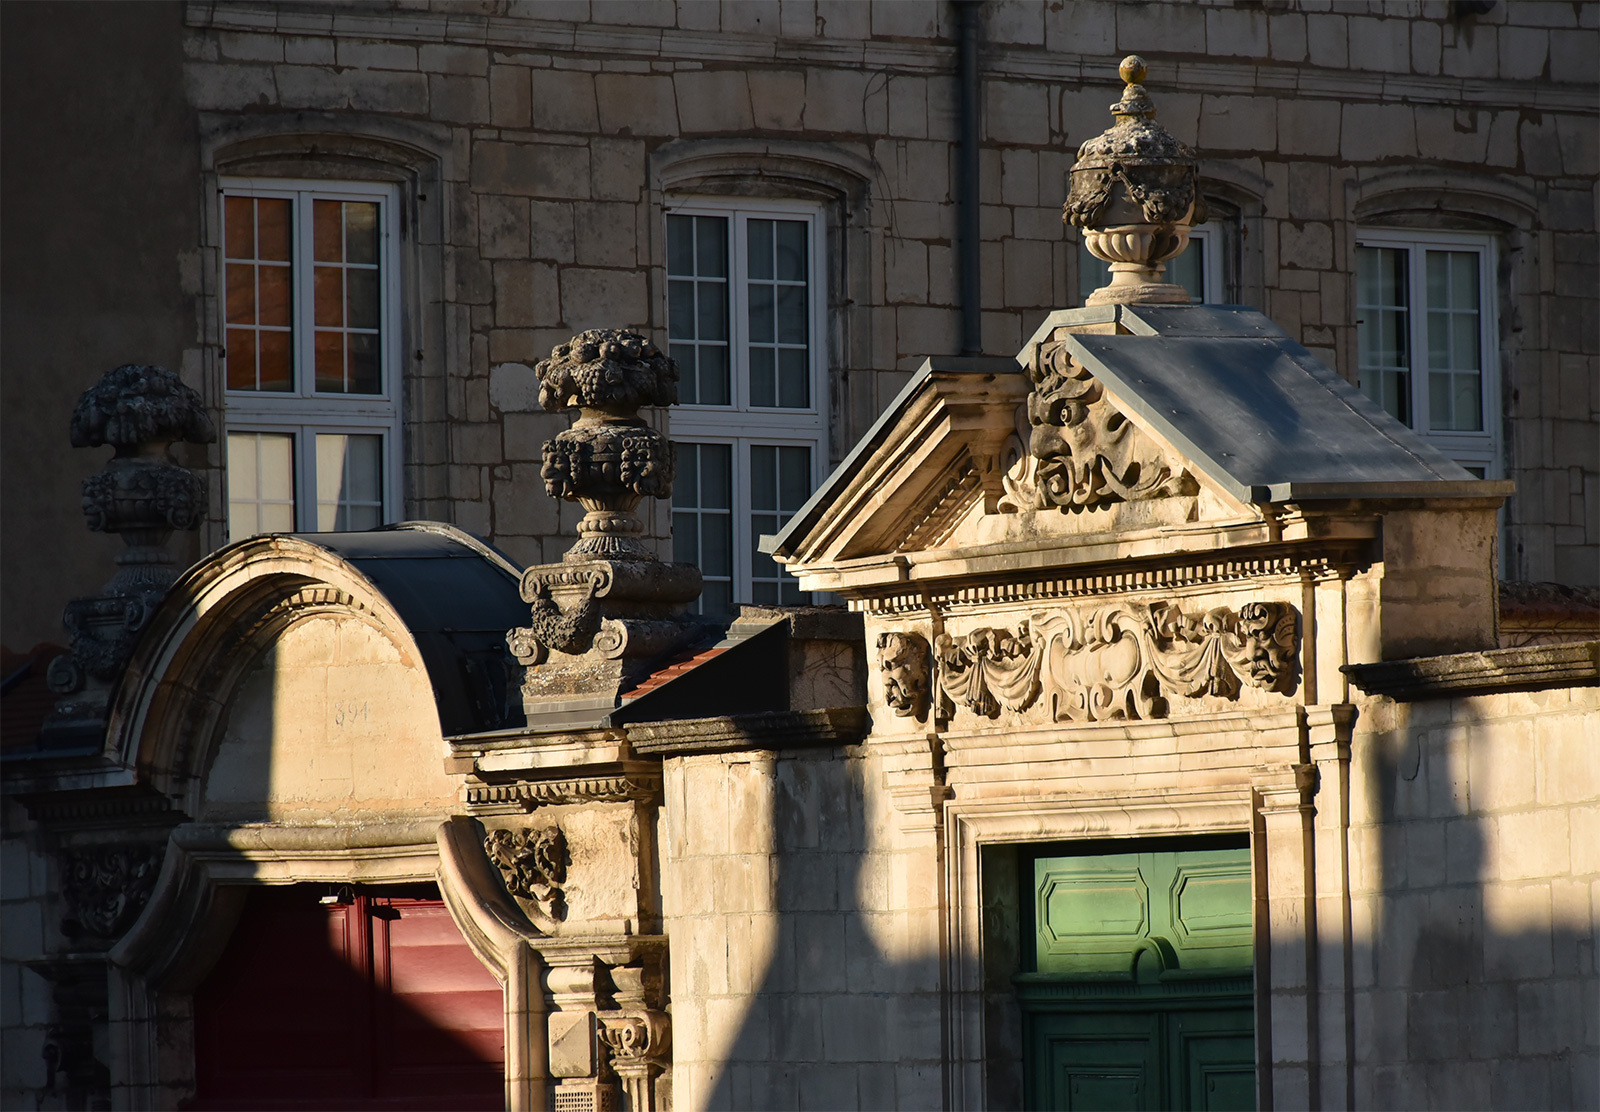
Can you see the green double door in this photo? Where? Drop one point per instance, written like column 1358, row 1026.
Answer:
column 1138, row 994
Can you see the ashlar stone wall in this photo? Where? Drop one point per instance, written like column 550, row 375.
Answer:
column 1310, row 121
column 1475, row 901
column 805, row 935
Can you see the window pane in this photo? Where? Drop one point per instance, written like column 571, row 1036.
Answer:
column 794, row 478
column 685, row 537
column 349, row 481
column 1092, row 273
column 688, row 377
column 712, row 320
column 239, row 227
column 1468, row 408
column 330, row 362
column 793, row 381
column 326, row 232
column 241, row 359
column 791, row 250
column 763, row 390
column 272, row 228
column 680, row 311
column 329, row 292
column 711, row 255
column 763, row 477
column 680, row 245
column 260, row 483
column 1383, row 327
column 361, row 232
column 759, row 233
column 361, row 298
column 714, row 378
column 716, row 476
column 276, row 361
column 716, row 545
column 761, row 314
column 365, row 376
column 275, row 307
column 1188, row 269
column 241, row 296
column 686, row 489
column 791, row 314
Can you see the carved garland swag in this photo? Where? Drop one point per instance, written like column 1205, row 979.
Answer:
column 1119, row 662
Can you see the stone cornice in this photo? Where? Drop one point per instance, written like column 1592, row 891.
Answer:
column 770, row 730
column 1483, row 673
column 1020, row 63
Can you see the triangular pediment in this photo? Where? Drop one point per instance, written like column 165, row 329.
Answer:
column 1115, row 432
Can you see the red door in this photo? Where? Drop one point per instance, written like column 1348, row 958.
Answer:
column 372, row 1003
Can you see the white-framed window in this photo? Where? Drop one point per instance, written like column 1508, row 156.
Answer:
column 1426, row 337
column 1198, row 269
column 746, row 305
column 310, row 295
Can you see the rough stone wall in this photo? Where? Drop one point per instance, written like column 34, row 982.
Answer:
column 1475, row 897
column 804, row 936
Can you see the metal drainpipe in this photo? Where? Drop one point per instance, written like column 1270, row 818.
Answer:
column 967, row 214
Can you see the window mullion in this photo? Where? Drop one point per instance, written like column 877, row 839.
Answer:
column 1421, row 356
column 739, row 308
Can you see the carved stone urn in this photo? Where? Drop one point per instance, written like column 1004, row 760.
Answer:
column 142, row 494
column 1134, row 193
column 609, row 459
column 598, row 618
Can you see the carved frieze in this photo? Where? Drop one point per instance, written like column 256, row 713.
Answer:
column 903, row 663
column 533, row 864
column 988, row 669
column 106, row 887
column 1083, row 452
column 1121, row 661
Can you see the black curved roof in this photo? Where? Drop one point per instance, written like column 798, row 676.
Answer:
column 458, row 596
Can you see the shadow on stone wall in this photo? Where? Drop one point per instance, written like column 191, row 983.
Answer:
column 1479, row 979
column 834, row 1021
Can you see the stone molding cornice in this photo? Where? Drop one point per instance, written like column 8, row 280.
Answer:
column 1483, row 673
column 624, row 787
column 1194, row 74
column 1224, row 568
column 792, row 729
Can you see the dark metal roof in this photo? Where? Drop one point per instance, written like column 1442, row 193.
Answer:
column 458, row 597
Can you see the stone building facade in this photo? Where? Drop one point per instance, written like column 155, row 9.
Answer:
column 818, row 897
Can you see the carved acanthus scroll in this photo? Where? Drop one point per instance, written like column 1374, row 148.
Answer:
column 1121, row 661
column 1082, row 450
column 903, row 662
column 533, row 864
column 105, row 888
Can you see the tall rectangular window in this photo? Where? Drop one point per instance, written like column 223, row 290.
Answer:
column 310, row 296
column 745, row 312
column 1425, row 337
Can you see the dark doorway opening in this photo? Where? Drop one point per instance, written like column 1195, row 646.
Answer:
column 1135, row 982
column 349, row 998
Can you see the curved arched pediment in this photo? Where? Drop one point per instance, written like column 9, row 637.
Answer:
column 280, row 683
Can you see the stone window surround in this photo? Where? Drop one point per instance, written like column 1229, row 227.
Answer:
column 416, row 159
column 299, row 412
column 819, row 173
column 1506, row 210
column 1462, row 445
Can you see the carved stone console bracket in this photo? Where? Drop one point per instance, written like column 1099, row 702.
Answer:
column 1121, row 661
column 104, row 888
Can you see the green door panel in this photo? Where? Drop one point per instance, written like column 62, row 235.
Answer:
column 1213, row 1060
column 1092, row 915
column 1098, row 1063
column 1140, row 993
